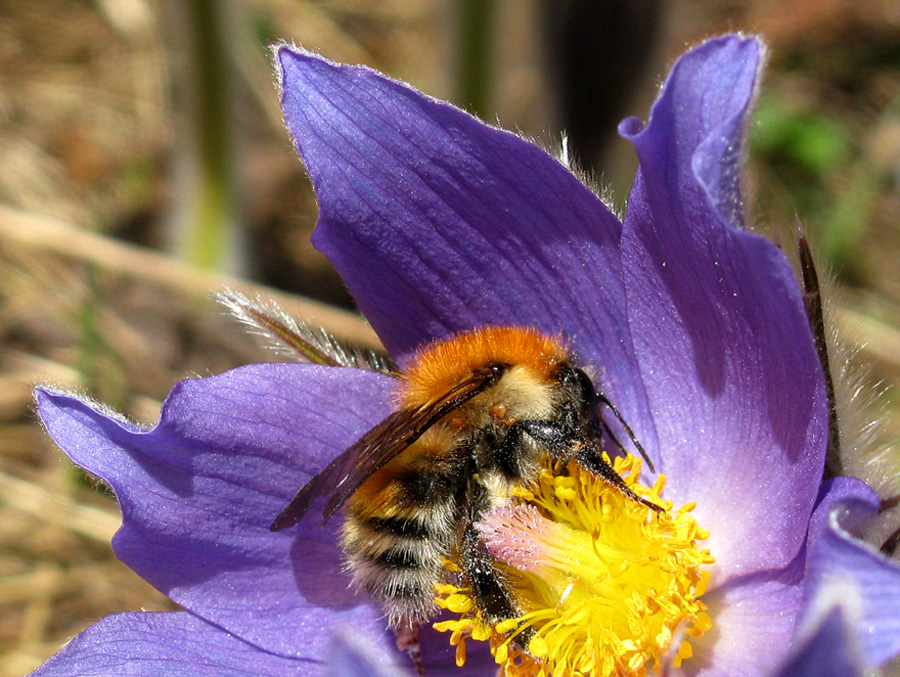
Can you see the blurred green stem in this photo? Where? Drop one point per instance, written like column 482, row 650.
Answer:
column 213, row 216
column 91, row 343
column 207, row 217
column 98, row 362
column 475, row 23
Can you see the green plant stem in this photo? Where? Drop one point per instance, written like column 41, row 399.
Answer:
column 475, row 24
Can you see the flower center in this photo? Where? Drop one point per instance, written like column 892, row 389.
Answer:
column 602, row 584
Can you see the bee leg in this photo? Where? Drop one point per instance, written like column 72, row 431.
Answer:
column 591, row 458
column 555, row 436
column 408, row 642
column 563, row 440
column 489, row 587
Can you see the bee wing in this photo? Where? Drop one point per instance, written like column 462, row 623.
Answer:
column 349, row 471
column 370, row 449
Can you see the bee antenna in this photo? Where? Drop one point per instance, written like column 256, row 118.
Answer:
column 605, row 400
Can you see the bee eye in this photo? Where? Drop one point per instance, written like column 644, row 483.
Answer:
column 588, row 391
column 497, row 369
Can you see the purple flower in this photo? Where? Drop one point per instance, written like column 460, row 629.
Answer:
column 439, row 224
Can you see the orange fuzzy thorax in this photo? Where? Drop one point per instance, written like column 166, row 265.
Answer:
column 437, row 368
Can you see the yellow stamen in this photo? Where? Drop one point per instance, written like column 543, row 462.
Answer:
column 603, row 585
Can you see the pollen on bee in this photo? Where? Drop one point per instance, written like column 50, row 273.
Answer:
column 500, row 412
column 458, row 422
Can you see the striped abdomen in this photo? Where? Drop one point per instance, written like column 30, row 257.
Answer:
column 401, row 523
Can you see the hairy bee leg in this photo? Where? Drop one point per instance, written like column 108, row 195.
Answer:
column 408, row 642
column 556, row 436
column 489, row 587
column 561, row 440
column 590, row 458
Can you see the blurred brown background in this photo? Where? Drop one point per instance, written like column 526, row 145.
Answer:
column 143, row 164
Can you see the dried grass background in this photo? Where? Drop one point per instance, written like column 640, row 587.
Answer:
column 88, row 101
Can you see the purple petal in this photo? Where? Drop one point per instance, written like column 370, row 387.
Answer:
column 168, row 644
column 837, row 560
column 199, row 491
column 438, row 223
column 725, row 350
column 350, row 655
column 440, row 657
column 753, row 619
column 827, row 652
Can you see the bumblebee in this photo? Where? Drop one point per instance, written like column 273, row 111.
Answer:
column 475, row 416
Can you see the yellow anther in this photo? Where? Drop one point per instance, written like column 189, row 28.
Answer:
column 608, row 584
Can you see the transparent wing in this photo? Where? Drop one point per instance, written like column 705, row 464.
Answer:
column 348, row 472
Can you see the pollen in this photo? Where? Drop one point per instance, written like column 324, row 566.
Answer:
column 602, row 585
